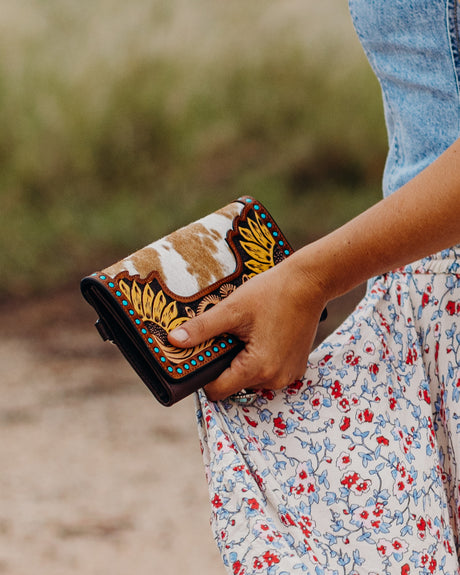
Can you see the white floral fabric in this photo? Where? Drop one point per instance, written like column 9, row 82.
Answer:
column 355, row 468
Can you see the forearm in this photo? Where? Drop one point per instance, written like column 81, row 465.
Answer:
column 421, row 218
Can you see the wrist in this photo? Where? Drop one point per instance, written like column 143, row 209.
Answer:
column 308, row 286
column 326, row 267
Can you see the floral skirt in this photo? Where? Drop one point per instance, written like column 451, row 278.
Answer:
column 356, row 468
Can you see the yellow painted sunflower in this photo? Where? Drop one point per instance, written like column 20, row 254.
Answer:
column 259, row 245
column 159, row 317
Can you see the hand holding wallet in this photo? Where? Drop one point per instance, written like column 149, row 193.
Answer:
column 141, row 298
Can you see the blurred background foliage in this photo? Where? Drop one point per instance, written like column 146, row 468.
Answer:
column 121, row 121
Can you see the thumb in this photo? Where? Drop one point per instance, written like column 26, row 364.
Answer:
column 197, row 330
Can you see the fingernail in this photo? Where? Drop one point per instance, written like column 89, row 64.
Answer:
column 180, row 335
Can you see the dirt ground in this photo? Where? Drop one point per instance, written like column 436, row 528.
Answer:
column 96, row 477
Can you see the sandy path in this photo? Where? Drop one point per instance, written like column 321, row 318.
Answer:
column 96, row 477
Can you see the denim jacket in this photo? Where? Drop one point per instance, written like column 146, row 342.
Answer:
column 413, row 47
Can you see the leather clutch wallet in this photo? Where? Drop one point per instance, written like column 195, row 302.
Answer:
column 144, row 296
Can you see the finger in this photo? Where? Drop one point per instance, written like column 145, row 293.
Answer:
column 212, row 323
column 233, row 379
column 244, row 373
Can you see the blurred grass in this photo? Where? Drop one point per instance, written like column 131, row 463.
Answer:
column 121, row 121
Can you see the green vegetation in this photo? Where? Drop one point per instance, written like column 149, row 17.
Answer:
column 122, row 121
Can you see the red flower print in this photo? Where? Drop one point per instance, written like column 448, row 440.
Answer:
column 303, row 482
column 355, row 483
column 424, row 559
column 306, row 525
column 279, row 423
column 317, row 400
column 258, row 478
column 411, row 357
column 453, row 308
column 374, row 368
column 383, row 440
column 217, row 502
column 343, row 460
column 425, row 299
column 294, row 387
column 384, row 323
column 298, row 489
column 350, row 480
column 270, row 558
column 405, row 569
column 287, row 520
column 253, row 503
column 238, row 568
column 336, row 390
column 344, row 404
column 363, row 486
column 280, row 426
column 268, row 394
column 387, row 548
column 251, row 422
column 425, row 396
column 382, row 549
column 369, row 347
column 367, row 415
column 378, row 509
column 345, row 423
column 351, row 358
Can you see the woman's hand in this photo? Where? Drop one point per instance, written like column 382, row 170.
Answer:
column 276, row 315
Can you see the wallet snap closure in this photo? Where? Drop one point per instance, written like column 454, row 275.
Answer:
column 103, row 330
